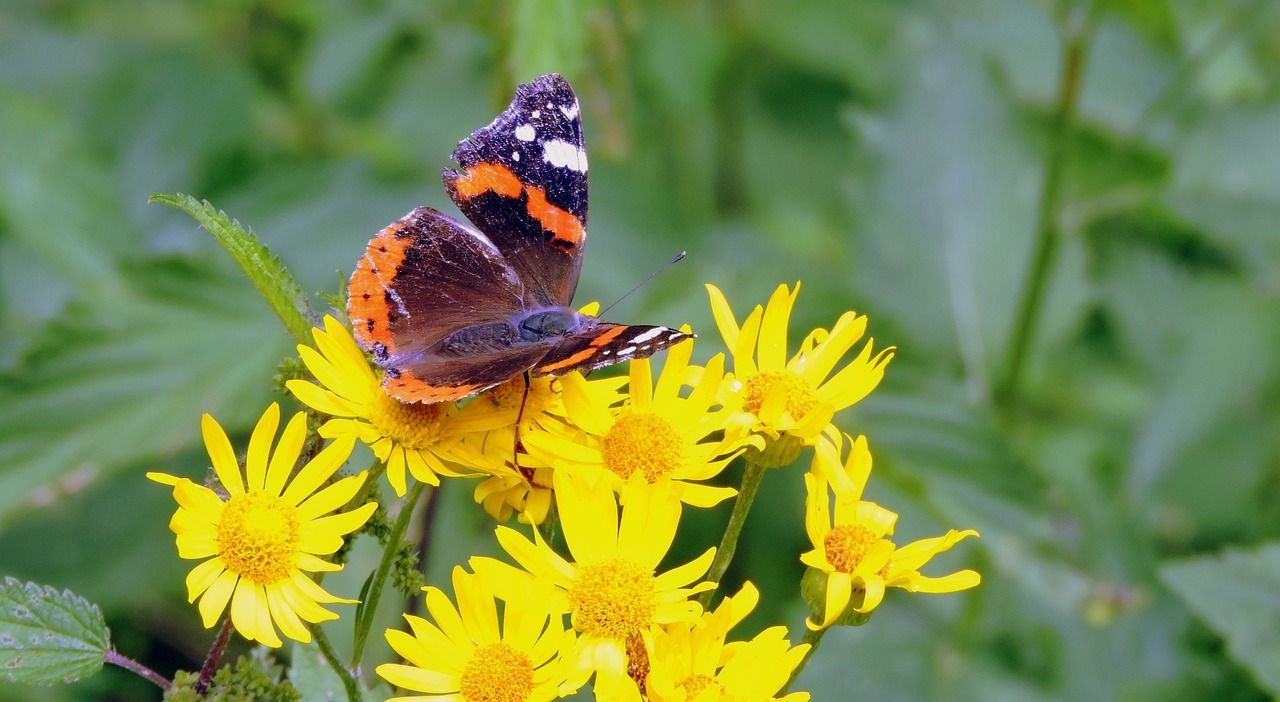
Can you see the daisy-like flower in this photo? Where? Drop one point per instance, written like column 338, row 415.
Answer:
column 262, row 538
column 854, row 552
column 795, row 396
column 466, row 656
column 692, row 662
column 658, row 435
column 522, row 489
column 515, row 483
column 609, row 587
column 402, row 435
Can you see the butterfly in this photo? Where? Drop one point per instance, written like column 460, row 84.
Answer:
column 449, row 310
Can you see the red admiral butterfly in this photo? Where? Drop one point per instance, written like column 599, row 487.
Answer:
column 448, row 310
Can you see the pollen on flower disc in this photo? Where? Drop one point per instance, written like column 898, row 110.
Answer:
column 644, row 443
column 800, row 397
column 695, row 684
column 846, row 544
column 497, row 673
column 257, row 537
column 613, row 599
column 411, row 424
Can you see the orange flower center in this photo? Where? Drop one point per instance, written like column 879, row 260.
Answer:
column 643, row 443
column 497, row 673
column 613, row 599
column 847, row 544
column 257, row 537
column 799, row 396
column 414, row 425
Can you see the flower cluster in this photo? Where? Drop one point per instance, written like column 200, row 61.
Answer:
column 611, row 463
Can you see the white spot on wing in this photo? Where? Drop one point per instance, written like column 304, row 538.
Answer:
column 515, row 155
column 627, row 351
column 570, row 112
column 652, row 333
column 562, row 154
column 525, row 132
column 536, row 114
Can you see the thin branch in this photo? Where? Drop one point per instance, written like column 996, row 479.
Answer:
column 114, row 658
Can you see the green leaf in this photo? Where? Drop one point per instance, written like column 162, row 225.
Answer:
column 312, row 675
column 263, row 269
column 120, row 380
column 49, row 637
column 1237, row 593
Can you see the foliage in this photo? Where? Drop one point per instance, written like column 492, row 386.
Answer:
column 49, row 636
column 890, row 153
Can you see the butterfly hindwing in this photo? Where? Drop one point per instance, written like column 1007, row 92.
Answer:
column 523, row 181
column 421, row 280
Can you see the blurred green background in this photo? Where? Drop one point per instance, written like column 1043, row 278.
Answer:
column 895, row 155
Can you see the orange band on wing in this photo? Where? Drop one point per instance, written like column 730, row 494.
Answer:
column 410, row 388
column 584, row 354
column 367, row 304
column 566, row 229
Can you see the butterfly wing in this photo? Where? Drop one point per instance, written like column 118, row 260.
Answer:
column 605, row 344
column 523, row 181
column 420, row 282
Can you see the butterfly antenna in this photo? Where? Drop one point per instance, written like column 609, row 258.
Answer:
column 646, row 281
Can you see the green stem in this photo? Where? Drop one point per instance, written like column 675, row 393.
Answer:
column 389, row 551
column 813, row 638
column 349, row 682
column 751, row 478
column 1046, row 244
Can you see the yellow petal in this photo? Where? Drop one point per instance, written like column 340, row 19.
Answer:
column 723, row 315
column 222, row 455
column 286, row 454
column 640, row 384
column 284, row 616
column 255, row 460
column 203, row 576
column 318, row 470
column 418, row 679
column 332, row 497
column 589, row 515
column 215, row 598
column 773, row 329
column 319, row 399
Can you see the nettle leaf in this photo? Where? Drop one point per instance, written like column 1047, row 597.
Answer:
column 1237, row 593
column 49, row 637
column 120, row 380
column 267, row 273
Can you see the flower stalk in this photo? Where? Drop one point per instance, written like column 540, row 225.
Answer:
column 349, row 682
column 370, row 606
column 812, row 637
column 142, row 671
column 215, row 656
column 752, row 475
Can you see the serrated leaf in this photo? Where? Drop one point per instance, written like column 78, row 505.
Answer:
column 49, row 637
column 1238, row 594
column 120, row 380
column 267, row 273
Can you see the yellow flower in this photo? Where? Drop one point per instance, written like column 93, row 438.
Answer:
column 523, row 490
column 692, row 662
column 853, row 551
column 466, row 656
column 658, row 435
column 795, row 396
column 609, row 588
column 515, row 483
column 402, row 435
column 268, row 532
